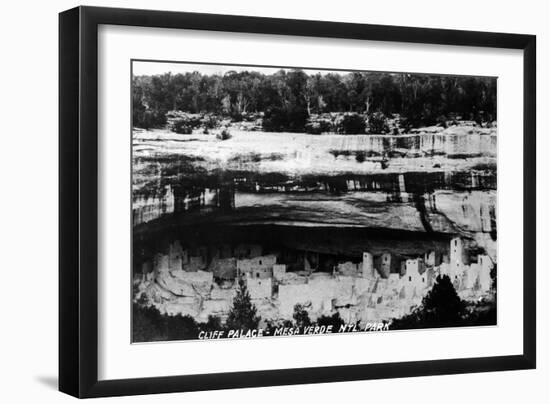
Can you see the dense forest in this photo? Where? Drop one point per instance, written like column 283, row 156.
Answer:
column 289, row 100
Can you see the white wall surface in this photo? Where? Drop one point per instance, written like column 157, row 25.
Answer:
column 28, row 199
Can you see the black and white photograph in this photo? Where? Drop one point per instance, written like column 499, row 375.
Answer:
column 287, row 201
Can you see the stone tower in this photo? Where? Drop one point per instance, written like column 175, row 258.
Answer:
column 456, row 253
column 368, row 265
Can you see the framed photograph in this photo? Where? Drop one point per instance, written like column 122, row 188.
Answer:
column 250, row 201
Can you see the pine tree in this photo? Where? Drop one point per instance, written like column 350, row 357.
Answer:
column 441, row 307
column 243, row 314
column 301, row 317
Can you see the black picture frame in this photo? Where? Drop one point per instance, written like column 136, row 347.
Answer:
column 78, row 203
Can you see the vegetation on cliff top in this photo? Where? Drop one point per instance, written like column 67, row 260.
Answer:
column 293, row 101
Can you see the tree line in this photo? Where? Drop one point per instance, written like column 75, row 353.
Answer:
column 288, row 98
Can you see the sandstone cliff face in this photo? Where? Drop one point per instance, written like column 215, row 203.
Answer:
column 470, row 214
column 463, row 141
column 289, row 177
column 469, row 211
column 455, row 148
column 146, row 208
column 410, row 193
